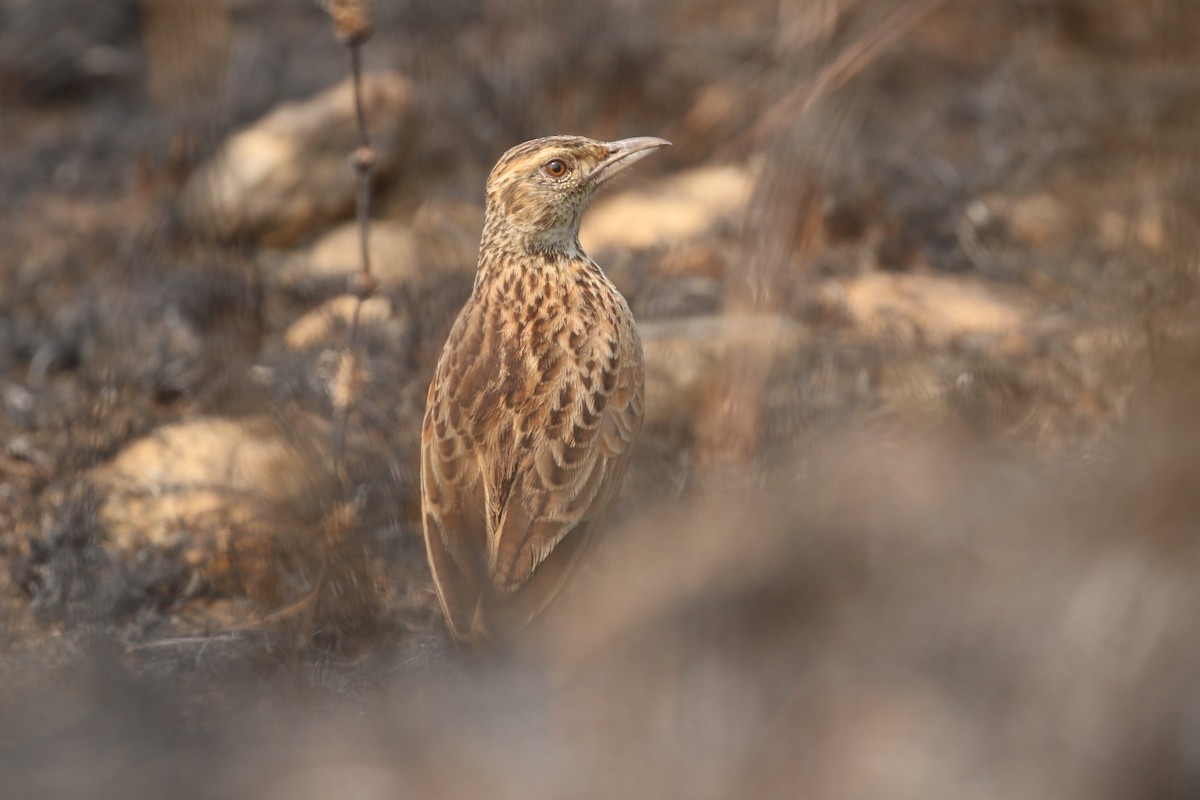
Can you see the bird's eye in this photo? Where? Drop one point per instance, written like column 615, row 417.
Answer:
column 555, row 168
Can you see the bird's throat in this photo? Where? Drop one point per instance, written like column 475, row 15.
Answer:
column 498, row 255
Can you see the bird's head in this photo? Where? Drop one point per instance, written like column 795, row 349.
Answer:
column 538, row 190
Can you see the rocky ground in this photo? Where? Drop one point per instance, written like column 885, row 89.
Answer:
column 914, row 511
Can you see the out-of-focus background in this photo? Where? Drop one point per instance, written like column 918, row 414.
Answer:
column 916, row 512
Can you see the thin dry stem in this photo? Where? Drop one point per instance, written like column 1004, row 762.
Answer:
column 364, row 284
column 352, row 27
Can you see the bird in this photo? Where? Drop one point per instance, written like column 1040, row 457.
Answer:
column 537, row 397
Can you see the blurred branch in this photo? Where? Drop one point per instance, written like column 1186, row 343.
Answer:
column 853, row 60
column 352, row 27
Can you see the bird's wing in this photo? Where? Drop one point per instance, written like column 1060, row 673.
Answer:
column 563, row 487
column 452, row 513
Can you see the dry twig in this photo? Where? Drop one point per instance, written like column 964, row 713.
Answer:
column 352, row 27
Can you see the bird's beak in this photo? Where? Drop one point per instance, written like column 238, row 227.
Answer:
column 623, row 154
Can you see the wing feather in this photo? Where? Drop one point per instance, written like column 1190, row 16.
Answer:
column 566, row 488
column 452, row 504
column 512, row 494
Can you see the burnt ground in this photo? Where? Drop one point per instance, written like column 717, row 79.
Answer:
column 910, row 555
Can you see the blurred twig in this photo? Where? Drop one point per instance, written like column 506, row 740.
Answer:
column 853, row 60
column 352, row 27
column 351, row 23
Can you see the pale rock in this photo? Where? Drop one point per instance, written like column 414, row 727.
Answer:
column 289, row 173
column 440, row 239
column 1039, row 220
column 1152, row 231
column 671, row 210
column 317, row 327
column 197, row 485
column 1112, row 229
column 939, row 308
column 1148, row 228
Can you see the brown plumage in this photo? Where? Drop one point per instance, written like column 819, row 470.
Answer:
column 537, row 396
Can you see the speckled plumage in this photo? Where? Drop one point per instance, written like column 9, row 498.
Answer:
column 536, row 399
